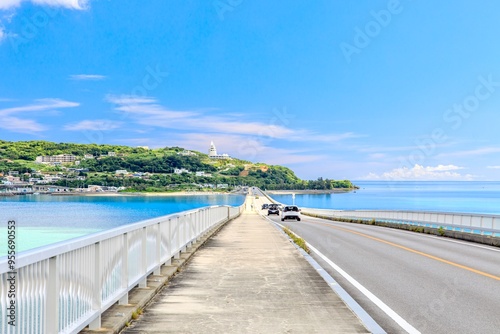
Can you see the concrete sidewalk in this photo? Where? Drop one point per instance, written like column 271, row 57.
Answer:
column 247, row 279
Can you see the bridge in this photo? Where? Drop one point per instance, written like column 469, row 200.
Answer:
column 248, row 277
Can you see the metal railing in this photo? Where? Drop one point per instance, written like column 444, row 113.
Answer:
column 65, row 287
column 464, row 222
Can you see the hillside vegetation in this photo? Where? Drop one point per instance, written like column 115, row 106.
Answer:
column 155, row 167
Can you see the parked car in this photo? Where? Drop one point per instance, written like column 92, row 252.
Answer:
column 265, row 206
column 273, row 209
column 290, row 212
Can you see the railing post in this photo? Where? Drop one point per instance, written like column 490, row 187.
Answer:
column 158, row 250
column 124, row 278
column 169, row 242
column 185, row 231
column 96, row 298
column 52, row 298
column 177, row 255
column 144, row 259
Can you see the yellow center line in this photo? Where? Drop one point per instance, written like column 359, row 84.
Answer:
column 479, row 272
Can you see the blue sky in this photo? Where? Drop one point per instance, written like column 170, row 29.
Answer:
column 380, row 90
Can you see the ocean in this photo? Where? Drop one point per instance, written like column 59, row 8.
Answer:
column 45, row 219
column 467, row 197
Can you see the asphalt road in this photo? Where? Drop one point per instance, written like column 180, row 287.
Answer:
column 436, row 284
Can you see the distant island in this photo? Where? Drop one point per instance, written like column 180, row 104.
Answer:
column 42, row 166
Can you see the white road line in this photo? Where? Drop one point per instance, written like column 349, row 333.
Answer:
column 387, row 310
column 365, row 318
column 466, row 243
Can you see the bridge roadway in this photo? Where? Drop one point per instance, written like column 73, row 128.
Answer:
column 438, row 285
column 248, row 279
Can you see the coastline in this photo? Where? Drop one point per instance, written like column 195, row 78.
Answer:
column 145, row 194
column 311, row 191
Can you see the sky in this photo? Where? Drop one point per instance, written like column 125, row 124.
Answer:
column 361, row 90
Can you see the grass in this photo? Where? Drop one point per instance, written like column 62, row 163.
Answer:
column 136, row 313
column 298, row 241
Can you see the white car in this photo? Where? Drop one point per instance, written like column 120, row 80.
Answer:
column 290, row 212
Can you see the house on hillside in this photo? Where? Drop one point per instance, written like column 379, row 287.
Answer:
column 181, row 170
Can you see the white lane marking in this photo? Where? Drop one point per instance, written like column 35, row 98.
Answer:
column 380, row 304
column 365, row 318
column 466, row 244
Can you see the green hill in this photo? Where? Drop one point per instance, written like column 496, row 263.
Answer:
column 153, row 168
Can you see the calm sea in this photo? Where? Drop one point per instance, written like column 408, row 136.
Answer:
column 45, row 219
column 470, row 197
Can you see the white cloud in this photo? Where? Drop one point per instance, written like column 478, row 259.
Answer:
column 240, row 147
column 147, row 111
column 493, row 167
column 40, row 105
column 23, row 125
column 471, row 153
column 15, row 124
column 328, row 138
column 422, row 173
column 441, row 168
column 71, row 4
column 243, row 147
column 7, row 4
column 97, row 125
column 3, row 34
column 87, row 77
column 377, row 156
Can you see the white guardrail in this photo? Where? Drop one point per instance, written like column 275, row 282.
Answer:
column 64, row 287
column 463, row 222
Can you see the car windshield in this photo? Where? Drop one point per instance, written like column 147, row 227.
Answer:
column 291, row 208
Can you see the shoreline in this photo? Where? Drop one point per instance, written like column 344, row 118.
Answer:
column 311, row 191
column 145, row 194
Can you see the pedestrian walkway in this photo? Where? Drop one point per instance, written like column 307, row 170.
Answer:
column 247, row 279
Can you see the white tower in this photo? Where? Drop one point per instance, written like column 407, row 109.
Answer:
column 213, row 151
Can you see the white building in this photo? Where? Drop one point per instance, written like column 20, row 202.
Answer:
column 212, row 153
column 121, row 171
column 181, row 170
column 186, row 153
column 61, row 158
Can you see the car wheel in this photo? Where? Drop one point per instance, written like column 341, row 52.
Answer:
column 298, row 219
column 282, row 219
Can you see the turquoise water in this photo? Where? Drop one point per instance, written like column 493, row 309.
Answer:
column 469, row 197
column 45, row 219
